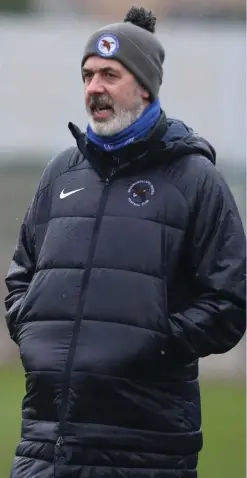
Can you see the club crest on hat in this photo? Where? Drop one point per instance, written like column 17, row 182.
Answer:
column 107, row 45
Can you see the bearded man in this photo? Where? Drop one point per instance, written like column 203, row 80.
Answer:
column 130, row 267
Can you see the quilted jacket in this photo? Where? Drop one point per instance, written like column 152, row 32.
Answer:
column 128, row 269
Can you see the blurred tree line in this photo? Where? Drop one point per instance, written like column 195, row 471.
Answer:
column 188, row 9
column 14, row 6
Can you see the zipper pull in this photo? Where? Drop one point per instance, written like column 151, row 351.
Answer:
column 59, row 442
column 113, row 171
column 58, row 451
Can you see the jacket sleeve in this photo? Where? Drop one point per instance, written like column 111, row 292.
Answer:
column 214, row 320
column 21, row 269
column 23, row 264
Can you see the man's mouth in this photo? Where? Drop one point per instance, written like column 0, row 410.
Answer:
column 101, row 112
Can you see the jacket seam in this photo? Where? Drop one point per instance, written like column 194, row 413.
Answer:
column 144, row 382
column 161, row 278
column 115, row 322
column 170, row 181
column 164, row 224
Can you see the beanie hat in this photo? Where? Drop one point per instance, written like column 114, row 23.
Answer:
column 133, row 43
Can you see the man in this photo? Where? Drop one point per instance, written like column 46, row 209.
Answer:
column 130, row 266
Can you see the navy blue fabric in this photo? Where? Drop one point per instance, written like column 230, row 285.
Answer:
column 114, row 293
column 134, row 132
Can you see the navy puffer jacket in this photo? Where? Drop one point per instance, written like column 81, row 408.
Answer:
column 129, row 268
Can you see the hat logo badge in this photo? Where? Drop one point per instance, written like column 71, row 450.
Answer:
column 107, row 45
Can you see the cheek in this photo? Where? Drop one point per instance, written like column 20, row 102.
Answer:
column 86, row 97
column 124, row 97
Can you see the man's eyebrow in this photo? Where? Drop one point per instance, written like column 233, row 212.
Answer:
column 106, row 69
column 87, row 70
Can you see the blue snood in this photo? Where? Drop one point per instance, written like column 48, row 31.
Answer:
column 134, row 132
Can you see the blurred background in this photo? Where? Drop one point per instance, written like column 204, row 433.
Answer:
column 41, row 91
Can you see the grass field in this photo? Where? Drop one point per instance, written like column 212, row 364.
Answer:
column 223, row 408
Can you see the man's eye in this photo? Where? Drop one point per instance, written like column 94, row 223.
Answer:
column 110, row 75
column 87, row 76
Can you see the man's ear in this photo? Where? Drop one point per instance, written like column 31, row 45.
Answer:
column 146, row 94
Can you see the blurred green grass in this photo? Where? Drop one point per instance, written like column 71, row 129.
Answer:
column 223, row 413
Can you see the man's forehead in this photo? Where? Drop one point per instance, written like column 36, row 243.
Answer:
column 97, row 63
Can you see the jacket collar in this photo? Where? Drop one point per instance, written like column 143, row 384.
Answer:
column 134, row 157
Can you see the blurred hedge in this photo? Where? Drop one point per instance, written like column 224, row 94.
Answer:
column 15, row 6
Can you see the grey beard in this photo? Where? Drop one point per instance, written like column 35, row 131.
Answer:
column 121, row 119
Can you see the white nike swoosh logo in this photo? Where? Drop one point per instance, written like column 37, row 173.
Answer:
column 64, row 195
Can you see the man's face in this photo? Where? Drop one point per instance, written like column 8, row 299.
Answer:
column 113, row 98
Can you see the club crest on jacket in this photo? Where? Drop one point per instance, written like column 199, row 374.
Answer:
column 140, row 192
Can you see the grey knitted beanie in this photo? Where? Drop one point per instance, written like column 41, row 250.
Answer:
column 133, row 43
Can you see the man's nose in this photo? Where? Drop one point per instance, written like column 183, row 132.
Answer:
column 95, row 86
